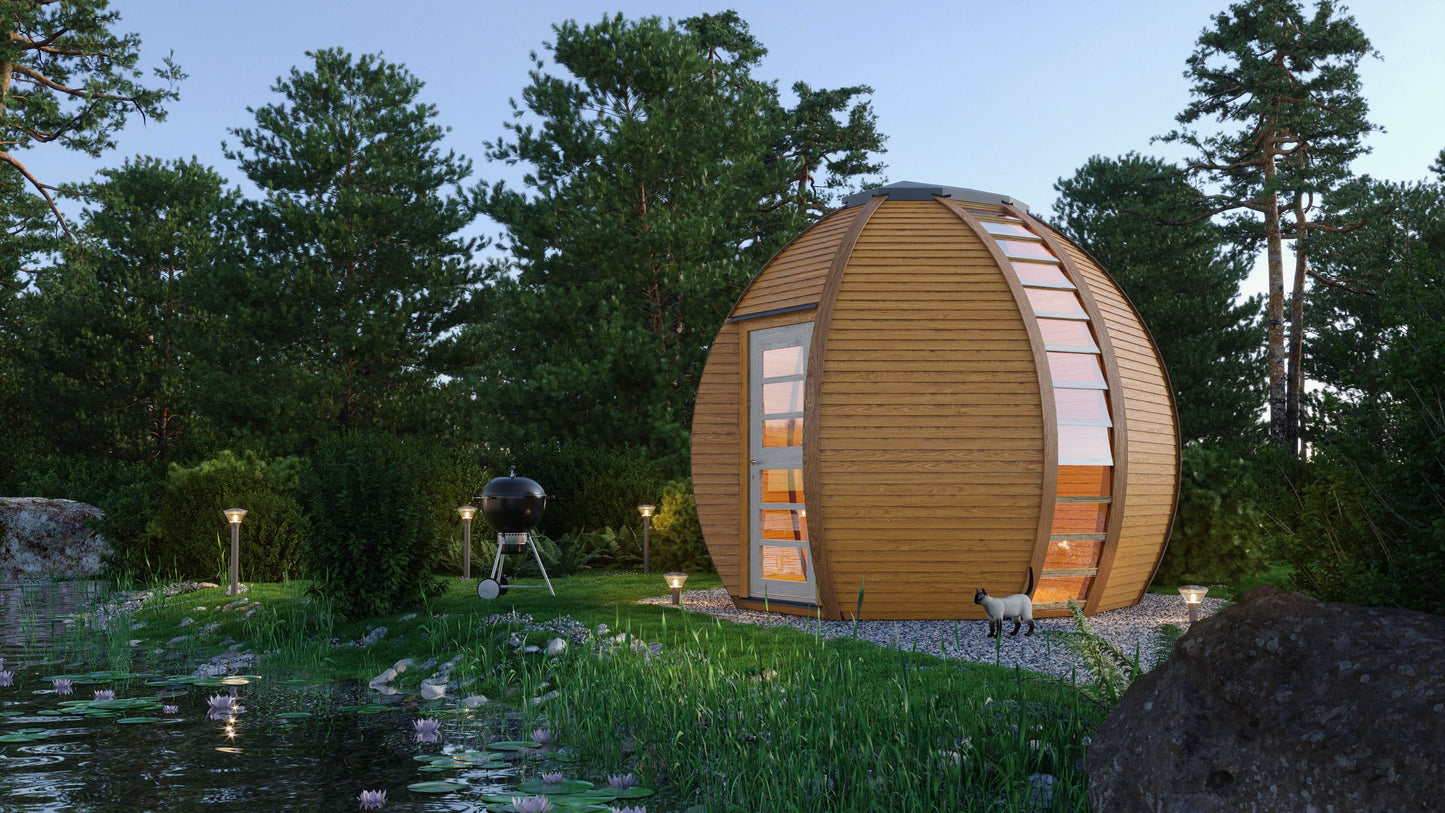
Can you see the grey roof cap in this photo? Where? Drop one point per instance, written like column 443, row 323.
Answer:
column 912, row 190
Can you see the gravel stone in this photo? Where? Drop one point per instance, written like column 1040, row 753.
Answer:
column 1127, row 628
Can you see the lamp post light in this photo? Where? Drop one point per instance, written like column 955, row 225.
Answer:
column 646, row 511
column 233, row 516
column 675, row 580
column 467, row 512
column 1193, row 598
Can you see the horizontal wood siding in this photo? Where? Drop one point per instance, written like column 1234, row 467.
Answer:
column 1153, row 467
column 795, row 276
column 715, row 455
column 931, row 450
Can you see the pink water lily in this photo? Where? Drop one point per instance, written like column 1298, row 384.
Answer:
column 103, row 695
column 223, row 703
column 427, row 729
column 542, row 737
column 63, row 685
column 638, row 809
column 531, row 804
column 7, row 678
column 622, row 781
column 552, row 778
column 170, row 709
column 372, row 799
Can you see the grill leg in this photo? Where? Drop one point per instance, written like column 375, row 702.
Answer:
column 497, row 563
column 543, row 569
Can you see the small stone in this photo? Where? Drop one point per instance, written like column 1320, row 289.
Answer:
column 552, row 695
column 474, row 701
column 408, row 617
column 403, row 665
column 531, row 648
column 185, row 622
column 385, row 677
column 433, row 691
column 179, row 639
column 374, row 636
column 200, row 608
column 556, row 646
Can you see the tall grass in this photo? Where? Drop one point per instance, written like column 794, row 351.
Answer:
column 824, row 727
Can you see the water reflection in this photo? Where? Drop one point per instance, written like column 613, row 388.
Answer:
column 255, row 761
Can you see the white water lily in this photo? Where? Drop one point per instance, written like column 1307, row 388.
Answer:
column 372, row 799
column 531, row 804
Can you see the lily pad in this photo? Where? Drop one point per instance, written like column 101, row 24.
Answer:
column 50, row 712
column 512, row 745
column 138, row 720
column 447, row 786
column 564, row 787
column 371, row 708
column 634, row 792
column 294, row 715
column 26, row 735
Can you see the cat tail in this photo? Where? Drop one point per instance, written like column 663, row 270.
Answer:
column 1029, row 591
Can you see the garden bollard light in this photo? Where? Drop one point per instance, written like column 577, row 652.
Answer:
column 1193, row 599
column 233, row 516
column 646, row 511
column 467, row 513
column 675, row 580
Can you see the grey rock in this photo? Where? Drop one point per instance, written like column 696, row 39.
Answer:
column 408, row 617
column 46, row 538
column 386, row 676
column 1265, row 707
column 179, row 639
column 556, row 646
column 433, row 691
column 186, row 622
column 403, row 665
column 374, row 636
column 237, row 603
column 552, row 695
column 531, row 648
column 474, row 701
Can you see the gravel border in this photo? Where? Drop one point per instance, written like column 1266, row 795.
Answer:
column 1127, row 628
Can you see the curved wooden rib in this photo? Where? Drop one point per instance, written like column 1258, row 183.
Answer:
column 812, row 479
column 1046, row 388
column 1118, row 501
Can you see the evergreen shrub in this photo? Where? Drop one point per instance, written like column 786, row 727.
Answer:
column 189, row 537
column 677, row 542
column 375, row 544
column 1220, row 533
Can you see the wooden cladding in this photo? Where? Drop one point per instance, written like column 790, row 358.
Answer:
column 979, row 399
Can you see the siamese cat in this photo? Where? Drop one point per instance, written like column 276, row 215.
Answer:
column 1018, row 607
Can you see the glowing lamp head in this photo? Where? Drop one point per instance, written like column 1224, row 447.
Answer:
column 1193, row 594
column 233, row 515
column 674, row 580
column 467, row 511
column 646, row 510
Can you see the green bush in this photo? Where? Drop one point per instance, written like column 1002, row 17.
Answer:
column 588, row 489
column 128, row 493
column 189, row 536
column 375, row 544
column 455, row 478
column 677, row 542
column 1219, row 532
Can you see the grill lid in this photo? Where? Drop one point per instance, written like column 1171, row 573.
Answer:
column 513, row 504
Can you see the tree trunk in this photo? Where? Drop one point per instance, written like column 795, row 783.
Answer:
column 1297, row 331
column 1274, row 347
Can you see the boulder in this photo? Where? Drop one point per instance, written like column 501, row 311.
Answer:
column 1283, row 702
column 48, row 538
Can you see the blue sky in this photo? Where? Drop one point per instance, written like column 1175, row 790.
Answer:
column 1004, row 96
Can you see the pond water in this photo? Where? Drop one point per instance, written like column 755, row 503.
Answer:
column 72, row 758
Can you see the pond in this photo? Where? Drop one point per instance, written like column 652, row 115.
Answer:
column 295, row 745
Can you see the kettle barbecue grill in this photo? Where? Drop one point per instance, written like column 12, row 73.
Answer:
column 513, row 506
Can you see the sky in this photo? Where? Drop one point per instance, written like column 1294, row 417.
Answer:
column 1004, row 96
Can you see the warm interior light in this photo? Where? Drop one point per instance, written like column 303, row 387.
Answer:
column 233, row 515
column 1193, row 594
column 467, row 511
column 646, row 510
column 675, row 580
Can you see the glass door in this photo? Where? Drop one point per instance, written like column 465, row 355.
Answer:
column 781, row 567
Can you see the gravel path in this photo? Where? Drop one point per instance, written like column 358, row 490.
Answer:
column 1126, row 628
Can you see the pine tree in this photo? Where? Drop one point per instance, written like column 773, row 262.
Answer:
column 661, row 174
column 66, row 78
column 359, row 266
column 1286, row 88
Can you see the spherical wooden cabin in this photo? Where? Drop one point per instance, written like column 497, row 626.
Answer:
column 926, row 392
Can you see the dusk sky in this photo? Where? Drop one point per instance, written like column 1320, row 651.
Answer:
column 1002, row 96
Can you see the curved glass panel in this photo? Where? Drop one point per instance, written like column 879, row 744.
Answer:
column 1048, row 302
column 1027, row 250
column 1084, row 481
column 784, row 396
column 1073, row 554
column 1084, row 446
column 784, row 563
column 782, row 432
column 1045, row 275
column 1059, row 589
column 1067, row 336
column 1079, row 370
column 1081, row 407
column 787, row 524
column 1011, row 228
column 783, row 361
column 1079, row 517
